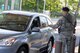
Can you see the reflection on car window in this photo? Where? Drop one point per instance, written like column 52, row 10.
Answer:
column 49, row 22
column 14, row 22
column 43, row 21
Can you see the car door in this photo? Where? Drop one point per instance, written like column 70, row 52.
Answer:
column 44, row 30
column 35, row 36
column 50, row 29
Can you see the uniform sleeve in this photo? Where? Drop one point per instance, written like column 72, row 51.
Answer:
column 58, row 24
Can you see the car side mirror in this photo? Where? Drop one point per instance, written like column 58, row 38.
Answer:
column 36, row 29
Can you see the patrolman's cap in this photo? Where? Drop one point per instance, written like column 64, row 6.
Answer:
column 66, row 9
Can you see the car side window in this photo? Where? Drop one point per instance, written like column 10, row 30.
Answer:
column 35, row 23
column 43, row 21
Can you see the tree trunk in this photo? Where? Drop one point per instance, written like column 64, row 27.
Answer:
column 76, row 12
column 65, row 2
column 6, row 5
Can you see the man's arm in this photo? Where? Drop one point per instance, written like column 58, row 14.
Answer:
column 57, row 25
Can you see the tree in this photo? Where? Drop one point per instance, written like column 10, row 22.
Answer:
column 1, row 2
column 29, row 5
column 73, row 4
column 52, row 5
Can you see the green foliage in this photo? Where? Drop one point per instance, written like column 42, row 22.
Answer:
column 52, row 5
column 1, row 2
column 29, row 4
column 73, row 4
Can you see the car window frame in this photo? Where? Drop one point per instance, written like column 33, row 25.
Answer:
column 46, row 21
column 34, row 19
column 30, row 23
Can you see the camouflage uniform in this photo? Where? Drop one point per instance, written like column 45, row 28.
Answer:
column 66, row 32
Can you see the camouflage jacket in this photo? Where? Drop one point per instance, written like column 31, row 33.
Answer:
column 63, row 25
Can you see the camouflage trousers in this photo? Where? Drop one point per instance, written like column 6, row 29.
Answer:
column 67, row 41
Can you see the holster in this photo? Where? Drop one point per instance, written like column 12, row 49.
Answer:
column 74, row 31
column 59, row 30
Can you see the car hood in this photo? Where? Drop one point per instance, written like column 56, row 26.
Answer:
column 3, row 31
column 7, row 33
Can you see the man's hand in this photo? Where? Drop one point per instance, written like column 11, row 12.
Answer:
column 52, row 27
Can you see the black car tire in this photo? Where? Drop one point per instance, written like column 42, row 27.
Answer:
column 49, row 47
column 22, row 50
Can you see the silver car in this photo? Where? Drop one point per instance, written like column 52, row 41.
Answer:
column 24, row 32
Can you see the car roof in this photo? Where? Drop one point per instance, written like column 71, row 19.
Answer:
column 27, row 13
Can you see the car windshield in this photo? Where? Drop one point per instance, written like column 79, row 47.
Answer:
column 14, row 22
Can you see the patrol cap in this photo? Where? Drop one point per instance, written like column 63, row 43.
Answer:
column 66, row 9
